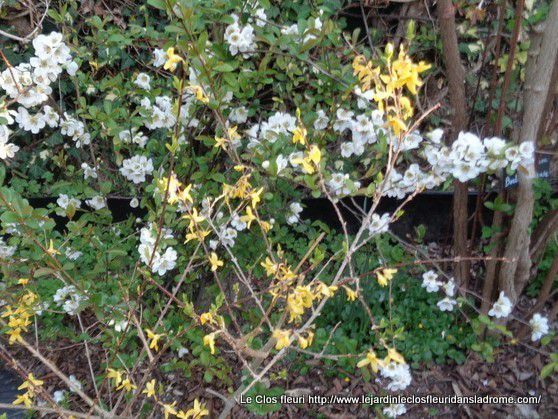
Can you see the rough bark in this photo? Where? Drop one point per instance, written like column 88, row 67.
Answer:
column 514, row 272
column 456, row 82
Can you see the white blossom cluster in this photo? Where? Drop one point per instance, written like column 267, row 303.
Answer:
column 379, row 224
column 69, row 299
column 539, row 326
column 280, row 123
column 502, row 307
column 469, row 156
column 64, row 201
column 394, row 410
column 399, row 374
column 309, row 34
column 136, row 168
column 293, row 216
column 227, row 232
column 6, row 251
column 241, row 39
column 29, row 85
column 163, row 262
column 431, row 283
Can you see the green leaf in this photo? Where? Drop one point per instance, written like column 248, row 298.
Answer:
column 158, row 4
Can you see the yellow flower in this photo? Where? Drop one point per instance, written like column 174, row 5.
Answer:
column 23, row 281
column 51, row 250
column 326, row 291
column 298, row 300
column 184, row 195
column 299, row 135
column 315, row 155
column 209, row 340
column 197, row 411
column 265, row 226
column 215, row 261
column 305, row 342
column 233, row 134
column 154, row 337
column 150, row 389
column 371, row 360
column 194, row 217
column 394, row 356
column 249, row 217
column 115, row 375
column 207, row 317
column 270, row 267
column 256, row 197
column 169, row 409
column 126, row 385
column 200, row 94
column 31, row 383
column 172, row 60
column 385, row 275
column 24, row 399
column 282, row 337
column 221, row 142
column 351, row 295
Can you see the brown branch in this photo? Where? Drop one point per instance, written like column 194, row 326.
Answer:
column 456, row 81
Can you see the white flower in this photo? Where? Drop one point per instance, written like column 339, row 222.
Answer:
column 260, row 17
column 379, row 225
column 134, row 202
column 290, row 30
column 50, row 116
column 6, row 251
column 527, row 152
column 64, row 202
column 446, row 304
column 28, row 122
column 160, row 57
column 142, row 81
column 449, row 288
column 400, row 374
column 540, row 327
column 7, row 150
column 133, row 136
column 240, row 39
column 136, row 168
column 394, row 410
column 239, row 115
column 294, row 216
column 429, row 281
column 347, row 149
column 119, row 326
column 182, row 351
column 282, row 163
column 72, row 68
column 321, row 120
column 59, row 396
column 72, row 254
column 98, row 202
column 88, row 171
column 344, row 120
column 436, row 135
column 237, row 223
column 502, row 307
column 165, row 262
column 74, row 384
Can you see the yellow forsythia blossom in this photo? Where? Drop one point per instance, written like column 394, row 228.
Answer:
column 282, row 337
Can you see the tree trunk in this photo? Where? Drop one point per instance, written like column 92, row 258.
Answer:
column 514, row 272
column 456, row 82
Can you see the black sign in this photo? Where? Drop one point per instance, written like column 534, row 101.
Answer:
column 542, row 166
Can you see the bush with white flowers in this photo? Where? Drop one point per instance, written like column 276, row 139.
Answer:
column 215, row 125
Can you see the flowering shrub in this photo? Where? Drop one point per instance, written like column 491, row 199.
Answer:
column 222, row 121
